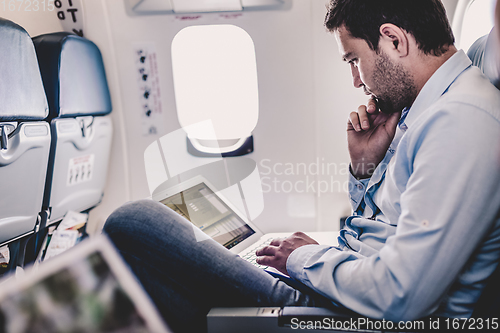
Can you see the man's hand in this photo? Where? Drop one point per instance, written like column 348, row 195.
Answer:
column 369, row 135
column 276, row 254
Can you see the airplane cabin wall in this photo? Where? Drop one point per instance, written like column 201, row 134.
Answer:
column 450, row 6
column 305, row 97
column 298, row 75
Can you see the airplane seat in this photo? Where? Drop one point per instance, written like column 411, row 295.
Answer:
column 79, row 106
column 485, row 54
column 24, row 139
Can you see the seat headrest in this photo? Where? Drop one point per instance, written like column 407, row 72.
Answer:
column 73, row 75
column 485, row 54
column 22, row 96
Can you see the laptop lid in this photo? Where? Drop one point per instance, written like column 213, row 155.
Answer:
column 208, row 209
column 86, row 289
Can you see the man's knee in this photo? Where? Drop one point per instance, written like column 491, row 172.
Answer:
column 136, row 218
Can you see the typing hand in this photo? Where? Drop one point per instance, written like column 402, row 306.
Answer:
column 369, row 135
column 276, row 254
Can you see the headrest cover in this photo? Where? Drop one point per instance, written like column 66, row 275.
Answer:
column 485, row 54
column 21, row 90
column 73, row 75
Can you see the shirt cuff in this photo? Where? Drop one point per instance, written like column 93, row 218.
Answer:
column 357, row 189
column 298, row 259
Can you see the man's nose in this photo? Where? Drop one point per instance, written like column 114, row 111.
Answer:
column 356, row 79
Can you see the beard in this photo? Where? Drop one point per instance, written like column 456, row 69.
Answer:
column 395, row 85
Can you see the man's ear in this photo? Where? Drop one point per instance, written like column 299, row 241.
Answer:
column 394, row 39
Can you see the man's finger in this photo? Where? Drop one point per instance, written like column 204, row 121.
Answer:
column 372, row 106
column 363, row 117
column 349, row 124
column 354, row 121
column 276, row 242
column 267, row 251
column 264, row 261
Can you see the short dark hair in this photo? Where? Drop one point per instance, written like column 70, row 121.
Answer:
column 426, row 20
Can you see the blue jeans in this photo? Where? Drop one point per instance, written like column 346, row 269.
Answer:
column 186, row 278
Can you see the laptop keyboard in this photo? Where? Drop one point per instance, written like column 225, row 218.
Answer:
column 250, row 255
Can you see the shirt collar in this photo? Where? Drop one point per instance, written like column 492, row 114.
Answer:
column 437, row 85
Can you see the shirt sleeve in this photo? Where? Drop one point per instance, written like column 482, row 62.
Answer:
column 448, row 206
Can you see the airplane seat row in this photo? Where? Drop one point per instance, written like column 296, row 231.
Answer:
column 25, row 137
column 55, row 132
column 79, row 105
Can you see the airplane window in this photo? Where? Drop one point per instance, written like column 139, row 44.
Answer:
column 478, row 21
column 215, row 79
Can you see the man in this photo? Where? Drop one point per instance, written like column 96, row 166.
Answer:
column 425, row 191
column 431, row 189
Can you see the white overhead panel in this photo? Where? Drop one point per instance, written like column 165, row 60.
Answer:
column 260, row 3
column 146, row 6
column 193, row 6
column 199, row 6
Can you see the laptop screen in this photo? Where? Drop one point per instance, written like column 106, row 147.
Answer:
column 200, row 205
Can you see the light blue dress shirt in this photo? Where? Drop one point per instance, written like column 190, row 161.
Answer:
column 426, row 227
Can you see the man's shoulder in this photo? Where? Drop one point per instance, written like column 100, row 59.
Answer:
column 471, row 92
column 470, row 109
column 470, row 98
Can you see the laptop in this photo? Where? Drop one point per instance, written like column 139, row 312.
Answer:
column 86, row 289
column 201, row 204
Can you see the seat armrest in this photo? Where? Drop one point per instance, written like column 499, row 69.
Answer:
column 310, row 319
column 274, row 319
column 243, row 320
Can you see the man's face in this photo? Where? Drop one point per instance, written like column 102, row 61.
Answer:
column 379, row 76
